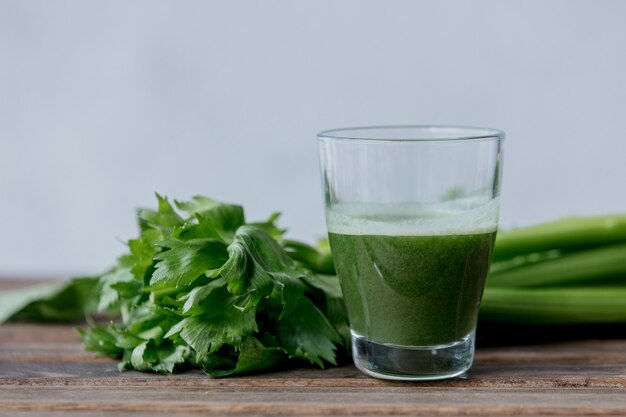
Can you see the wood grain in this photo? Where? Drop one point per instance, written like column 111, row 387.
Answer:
column 45, row 372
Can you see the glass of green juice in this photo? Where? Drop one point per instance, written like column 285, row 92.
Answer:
column 412, row 213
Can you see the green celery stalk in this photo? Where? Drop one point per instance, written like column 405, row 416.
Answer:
column 567, row 305
column 572, row 233
column 575, row 268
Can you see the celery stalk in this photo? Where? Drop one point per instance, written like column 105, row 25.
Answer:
column 570, row 233
column 590, row 266
column 573, row 305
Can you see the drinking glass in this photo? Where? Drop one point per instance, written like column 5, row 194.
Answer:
column 412, row 213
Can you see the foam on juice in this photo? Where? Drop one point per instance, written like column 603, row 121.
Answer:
column 409, row 219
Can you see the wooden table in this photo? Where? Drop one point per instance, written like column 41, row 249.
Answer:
column 44, row 371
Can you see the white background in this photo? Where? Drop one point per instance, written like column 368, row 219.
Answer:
column 104, row 102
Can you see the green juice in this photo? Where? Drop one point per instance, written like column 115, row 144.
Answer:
column 412, row 290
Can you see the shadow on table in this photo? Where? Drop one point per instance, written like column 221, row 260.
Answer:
column 504, row 335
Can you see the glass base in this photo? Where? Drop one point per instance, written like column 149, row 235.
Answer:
column 413, row 363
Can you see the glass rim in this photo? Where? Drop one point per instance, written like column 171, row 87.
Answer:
column 456, row 133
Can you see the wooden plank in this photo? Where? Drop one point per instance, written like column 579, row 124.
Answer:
column 12, row 283
column 482, row 375
column 31, row 413
column 37, row 333
column 45, row 371
column 45, row 354
column 24, row 337
column 397, row 400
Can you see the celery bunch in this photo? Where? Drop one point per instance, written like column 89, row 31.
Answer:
column 566, row 272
